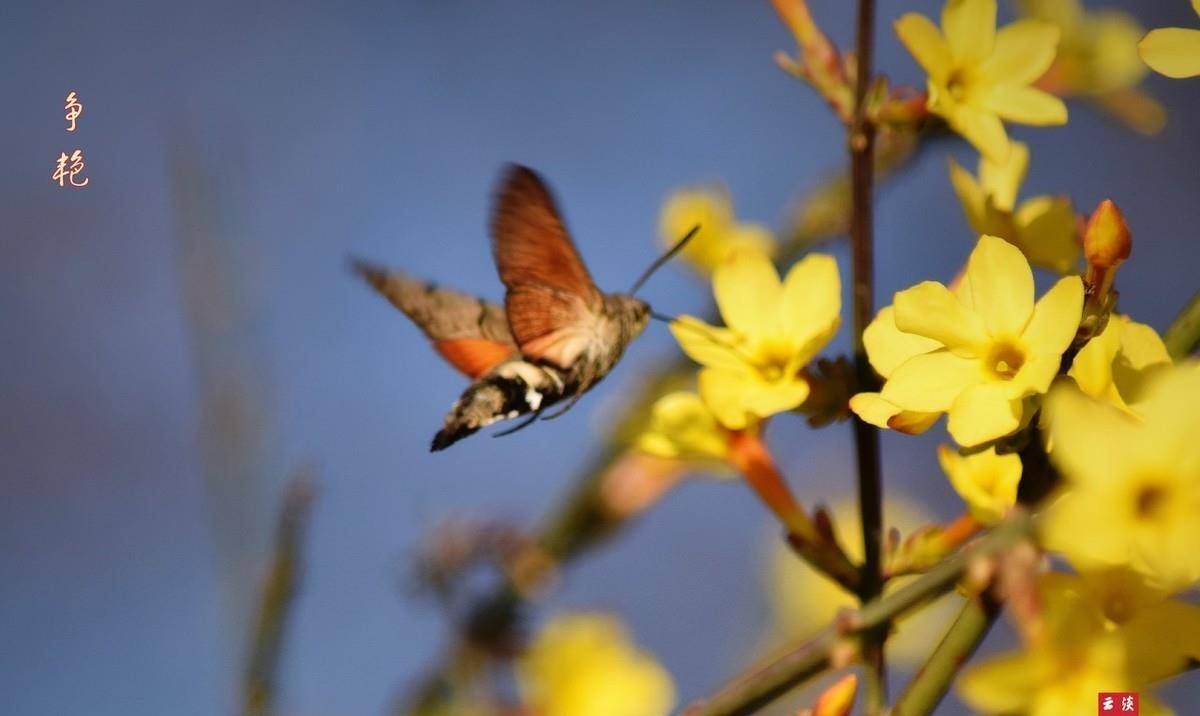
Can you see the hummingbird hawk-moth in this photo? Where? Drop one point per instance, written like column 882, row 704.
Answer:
column 556, row 335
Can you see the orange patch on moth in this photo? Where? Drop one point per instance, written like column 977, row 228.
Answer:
column 474, row 356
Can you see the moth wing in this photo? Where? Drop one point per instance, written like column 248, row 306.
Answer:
column 469, row 333
column 552, row 303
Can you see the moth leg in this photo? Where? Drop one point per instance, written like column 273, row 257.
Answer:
column 523, row 424
column 569, row 405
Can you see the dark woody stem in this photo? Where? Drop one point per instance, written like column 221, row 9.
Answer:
column 866, row 437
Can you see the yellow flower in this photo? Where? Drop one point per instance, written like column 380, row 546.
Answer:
column 987, row 482
column 1132, row 487
column 804, row 600
column 1098, row 50
column 992, row 346
column 720, row 233
column 682, row 428
column 1115, row 365
column 586, row 665
column 887, row 349
column 1173, row 51
column 978, row 76
column 1081, row 652
column 1042, row 227
column 752, row 367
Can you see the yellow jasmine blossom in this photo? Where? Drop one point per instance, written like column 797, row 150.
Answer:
column 1080, row 654
column 1115, row 365
column 1173, row 51
column 804, row 600
column 979, row 76
column 1043, row 227
column 987, row 482
column 586, row 665
column 1138, row 480
column 682, row 428
column 720, row 232
column 752, row 367
column 993, row 346
column 1098, row 51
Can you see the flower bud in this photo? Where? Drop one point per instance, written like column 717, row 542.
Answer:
column 1106, row 241
column 837, row 699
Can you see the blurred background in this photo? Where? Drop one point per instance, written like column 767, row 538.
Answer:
column 182, row 335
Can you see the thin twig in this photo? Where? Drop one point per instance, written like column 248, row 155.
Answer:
column 276, row 601
column 750, row 692
column 929, row 686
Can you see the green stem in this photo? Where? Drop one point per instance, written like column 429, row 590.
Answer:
column 929, row 686
column 754, row 690
column 1184, row 332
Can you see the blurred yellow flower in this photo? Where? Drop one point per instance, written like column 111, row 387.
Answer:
column 804, row 600
column 1132, row 487
column 1098, row 50
column 682, row 428
column 1173, row 51
column 979, row 76
column 753, row 366
column 586, row 665
column 1116, row 365
column 1044, row 227
column 987, row 482
column 1080, row 653
column 993, row 346
column 720, row 233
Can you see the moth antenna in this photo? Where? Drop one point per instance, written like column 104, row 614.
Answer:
column 560, row 413
column 519, row 426
column 658, row 262
column 662, row 317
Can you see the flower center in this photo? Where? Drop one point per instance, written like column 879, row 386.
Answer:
column 1004, row 360
column 772, row 359
column 1151, row 501
column 956, row 85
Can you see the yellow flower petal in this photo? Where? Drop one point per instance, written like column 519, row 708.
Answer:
column 930, row 383
column 1047, row 233
column 873, row 409
column 1024, row 51
column 1141, row 345
column 981, row 128
column 1088, row 439
column 1001, row 286
column 982, row 413
column 812, row 299
column 1004, row 684
column 1172, row 51
column 762, row 400
column 1002, row 180
column 1034, row 377
column 721, row 391
column 1161, row 640
column 888, row 346
column 1092, row 367
column 747, row 290
column 929, row 309
column 970, row 196
column 987, row 482
column 1055, row 318
column 707, row 345
column 970, row 28
column 1027, row 105
column 923, row 40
